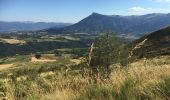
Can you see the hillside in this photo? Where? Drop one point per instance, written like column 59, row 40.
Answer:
column 156, row 43
column 148, row 79
column 28, row 26
column 124, row 25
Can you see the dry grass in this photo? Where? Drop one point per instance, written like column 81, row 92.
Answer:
column 145, row 74
column 42, row 60
column 65, row 94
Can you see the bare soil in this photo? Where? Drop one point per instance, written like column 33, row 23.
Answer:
column 5, row 66
column 34, row 60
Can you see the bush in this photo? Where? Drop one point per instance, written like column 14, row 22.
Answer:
column 106, row 51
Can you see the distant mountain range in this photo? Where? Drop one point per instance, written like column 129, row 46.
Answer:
column 28, row 26
column 156, row 43
column 124, row 25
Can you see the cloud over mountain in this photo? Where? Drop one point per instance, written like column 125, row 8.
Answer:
column 143, row 10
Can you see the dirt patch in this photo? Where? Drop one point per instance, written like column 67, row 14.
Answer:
column 13, row 41
column 5, row 66
column 76, row 61
column 34, row 60
column 71, row 38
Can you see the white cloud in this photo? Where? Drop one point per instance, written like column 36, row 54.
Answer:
column 137, row 9
column 141, row 10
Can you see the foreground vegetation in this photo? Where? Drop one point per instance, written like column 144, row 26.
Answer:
column 143, row 79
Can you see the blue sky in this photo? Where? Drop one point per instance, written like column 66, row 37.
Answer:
column 75, row 10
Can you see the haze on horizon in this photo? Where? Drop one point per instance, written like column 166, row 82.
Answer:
column 73, row 11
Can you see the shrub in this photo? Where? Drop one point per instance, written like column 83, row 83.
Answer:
column 105, row 51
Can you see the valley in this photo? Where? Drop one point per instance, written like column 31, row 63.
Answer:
column 101, row 57
column 12, row 44
column 58, row 67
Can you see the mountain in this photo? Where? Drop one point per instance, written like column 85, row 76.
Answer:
column 125, row 25
column 28, row 26
column 156, row 43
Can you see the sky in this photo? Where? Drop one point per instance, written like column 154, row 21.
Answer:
column 72, row 11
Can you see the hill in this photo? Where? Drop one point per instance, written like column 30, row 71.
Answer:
column 28, row 26
column 124, row 25
column 24, row 79
column 156, row 43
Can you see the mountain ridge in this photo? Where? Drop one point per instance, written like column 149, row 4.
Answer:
column 134, row 24
column 6, row 26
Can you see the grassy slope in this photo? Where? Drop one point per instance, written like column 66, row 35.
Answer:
column 154, row 44
column 144, row 79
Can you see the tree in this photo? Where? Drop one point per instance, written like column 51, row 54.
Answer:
column 38, row 55
column 107, row 50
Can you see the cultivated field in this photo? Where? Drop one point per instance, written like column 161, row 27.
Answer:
column 13, row 41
